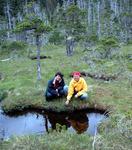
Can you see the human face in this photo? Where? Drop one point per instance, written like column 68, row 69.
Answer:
column 76, row 78
column 58, row 78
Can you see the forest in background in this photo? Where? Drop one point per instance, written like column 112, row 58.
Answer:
column 101, row 41
column 86, row 20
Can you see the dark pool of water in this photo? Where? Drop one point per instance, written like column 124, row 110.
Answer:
column 40, row 123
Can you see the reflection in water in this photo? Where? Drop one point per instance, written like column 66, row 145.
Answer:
column 21, row 125
column 39, row 123
column 55, row 119
column 79, row 122
column 94, row 120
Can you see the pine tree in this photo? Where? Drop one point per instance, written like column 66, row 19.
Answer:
column 33, row 23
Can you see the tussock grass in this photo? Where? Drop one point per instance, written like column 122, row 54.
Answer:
column 68, row 141
column 23, row 91
column 116, row 133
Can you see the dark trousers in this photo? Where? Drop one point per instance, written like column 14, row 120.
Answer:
column 49, row 96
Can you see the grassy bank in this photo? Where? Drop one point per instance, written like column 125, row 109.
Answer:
column 19, row 89
column 24, row 91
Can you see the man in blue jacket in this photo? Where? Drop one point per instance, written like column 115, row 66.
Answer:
column 56, row 87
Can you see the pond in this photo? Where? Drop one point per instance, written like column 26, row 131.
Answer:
column 43, row 122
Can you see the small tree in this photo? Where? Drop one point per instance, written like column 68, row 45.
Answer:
column 73, row 23
column 73, row 26
column 106, row 45
column 34, row 23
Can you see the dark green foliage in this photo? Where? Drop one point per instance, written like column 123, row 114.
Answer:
column 17, row 6
column 14, row 5
column 129, row 41
column 2, row 2
column 60, row 2
column 74, row 17
column 70, row 21
column 3, row 94
column 73, row 23
column 129, row 65
column 109, row 41
column 56, row 37
column 106, row 45
column 32, row 22
column 3, row 34
column 50, row 6
column 15, row 45
column 91, row 38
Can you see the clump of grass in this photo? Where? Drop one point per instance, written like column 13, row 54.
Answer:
column 116, row 133
column 20, row 81
column 3, row 94
column 55, row 140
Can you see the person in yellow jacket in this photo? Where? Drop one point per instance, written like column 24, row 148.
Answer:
column 77, row 88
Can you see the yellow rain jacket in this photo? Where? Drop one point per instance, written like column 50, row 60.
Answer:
column 79, row 87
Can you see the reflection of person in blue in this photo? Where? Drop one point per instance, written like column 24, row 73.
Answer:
column 55, row 119
column 79, row 122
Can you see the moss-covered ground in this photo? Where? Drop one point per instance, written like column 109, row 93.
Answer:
column 20, row 89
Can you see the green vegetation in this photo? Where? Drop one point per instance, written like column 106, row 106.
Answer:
column 115, row 134
column 51, row 141
column 99, row 29
column 56, row 37
column 12, row 46
column 23, row 91
column 19, row 80
column 3, row 94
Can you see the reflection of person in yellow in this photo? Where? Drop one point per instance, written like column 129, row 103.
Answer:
column 79, row 122
column 55, row 119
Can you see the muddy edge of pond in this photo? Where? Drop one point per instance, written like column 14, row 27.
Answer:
column 100, row 109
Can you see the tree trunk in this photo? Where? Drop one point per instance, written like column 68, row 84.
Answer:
column 99, row 24
column 8, row 14
column 38, row 57
column 26, row 9
column 89, row 13
column 69, row 46
column 111, row 16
